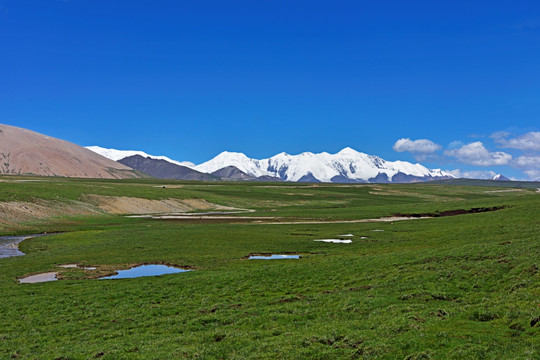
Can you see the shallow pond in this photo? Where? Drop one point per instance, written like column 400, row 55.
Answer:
column 145, row 270
column 39, row 278
column 335, row 241
column 273, row 257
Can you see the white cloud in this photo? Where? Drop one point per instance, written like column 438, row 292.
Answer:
column 500, row 135
column 530, row 165
column 527, row 142
column 475, row 174
column 533, row 174
column 527, row 162
column 420, row 146
column 456, row 144
column 476, row 154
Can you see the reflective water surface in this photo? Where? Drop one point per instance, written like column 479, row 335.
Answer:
column 273, row 257
column 145, row 270
column 39, row 278
column 9, row 245
column 335, row 241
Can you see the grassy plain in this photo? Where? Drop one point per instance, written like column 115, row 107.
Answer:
column 457, row 287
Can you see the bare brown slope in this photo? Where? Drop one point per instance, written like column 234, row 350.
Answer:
column 27, row 152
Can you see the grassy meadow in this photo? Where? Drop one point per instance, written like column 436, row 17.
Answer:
column 452, row 287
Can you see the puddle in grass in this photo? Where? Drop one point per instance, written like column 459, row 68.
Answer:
column 273, row 257
column 39, row 278
column 145, row 270
column 69, row 266
column 335, row 241
column 9, row 245
column 138, row 271
column 347, row 235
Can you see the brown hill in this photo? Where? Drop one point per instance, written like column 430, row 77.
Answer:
column 27, row 152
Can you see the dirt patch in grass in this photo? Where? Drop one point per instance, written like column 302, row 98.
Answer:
column 298, row 194
column 133, row 205
column 14, row 212
column 391, row 192
column 17, row 212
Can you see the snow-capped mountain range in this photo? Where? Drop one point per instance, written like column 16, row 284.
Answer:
column 116, row 155
column 348, row 165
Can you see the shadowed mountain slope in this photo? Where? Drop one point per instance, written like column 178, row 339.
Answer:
column 164, row 170
column 232, row 173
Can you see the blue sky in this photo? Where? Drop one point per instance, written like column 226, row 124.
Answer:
column 189, row 79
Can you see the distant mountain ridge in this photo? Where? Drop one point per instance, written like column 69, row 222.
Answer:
column 232, row 173
column 346, row 166
column 163, row 169
column 116, row 155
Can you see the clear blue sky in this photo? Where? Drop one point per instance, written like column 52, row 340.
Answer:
column 189, row 79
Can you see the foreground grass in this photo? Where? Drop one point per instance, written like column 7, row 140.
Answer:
column 444, row 288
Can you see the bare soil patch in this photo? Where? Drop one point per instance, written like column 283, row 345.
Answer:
column 504, row 191
column 132, row 205
column 14, row 212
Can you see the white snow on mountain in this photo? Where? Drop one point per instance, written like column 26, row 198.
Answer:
column 348, row 164
column 116, row 155
column 500, row 177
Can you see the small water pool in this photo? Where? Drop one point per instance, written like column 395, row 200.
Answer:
column 39, row 278
column 273, row 257
column 335, row 241
column 145, row 270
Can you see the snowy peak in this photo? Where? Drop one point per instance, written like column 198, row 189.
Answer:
column 240, row 161
column 500, row 177
column 231, row 156
column 116, row 155
column 348, row 165
column 347, row 151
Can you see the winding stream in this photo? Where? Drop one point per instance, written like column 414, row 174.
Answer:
column 9, row 245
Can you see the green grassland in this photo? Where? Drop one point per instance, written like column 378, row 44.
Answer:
column 456, row 287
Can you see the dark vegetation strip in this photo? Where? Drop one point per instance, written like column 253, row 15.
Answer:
column 453, row 212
